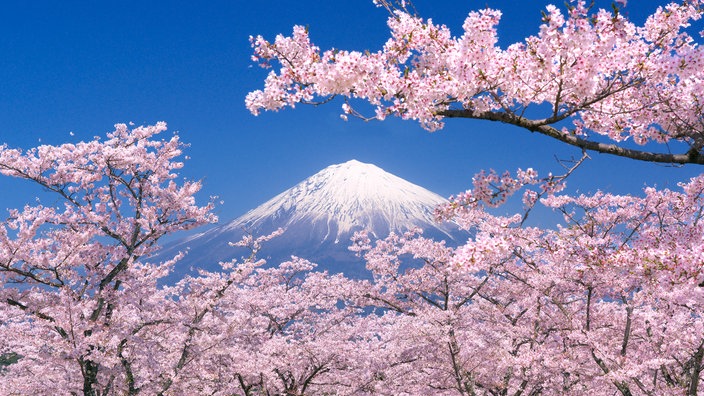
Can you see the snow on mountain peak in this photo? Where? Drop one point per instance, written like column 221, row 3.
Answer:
column 348, row 197
column 318, row 216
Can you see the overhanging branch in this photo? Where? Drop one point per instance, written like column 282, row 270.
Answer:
column 691, row 157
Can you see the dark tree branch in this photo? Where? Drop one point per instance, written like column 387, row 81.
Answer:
column 539, row 126
column 696, row 371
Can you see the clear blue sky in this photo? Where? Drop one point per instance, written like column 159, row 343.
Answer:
column 83, row 66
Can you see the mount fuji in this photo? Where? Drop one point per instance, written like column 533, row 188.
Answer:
column 319, row 216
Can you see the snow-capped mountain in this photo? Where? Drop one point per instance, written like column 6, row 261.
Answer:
column 320, row 214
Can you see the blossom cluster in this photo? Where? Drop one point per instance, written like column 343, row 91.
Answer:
column 595, row 69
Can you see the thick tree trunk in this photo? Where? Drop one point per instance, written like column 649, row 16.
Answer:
column 696, row 371
column 90, row 377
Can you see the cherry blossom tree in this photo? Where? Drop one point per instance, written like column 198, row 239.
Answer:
column 608, row 303
column 75, row 296
column 589, row 78
column 276, row 330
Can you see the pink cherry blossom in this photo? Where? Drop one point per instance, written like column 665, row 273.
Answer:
column 592, row 68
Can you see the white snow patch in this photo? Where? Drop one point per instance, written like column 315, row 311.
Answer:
column 351, row 195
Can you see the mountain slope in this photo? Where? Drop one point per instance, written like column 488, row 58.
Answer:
column 320, row 214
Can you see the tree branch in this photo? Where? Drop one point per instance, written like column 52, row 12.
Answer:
column 690, row 157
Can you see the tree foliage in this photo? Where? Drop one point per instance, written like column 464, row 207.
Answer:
column 589, row 78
